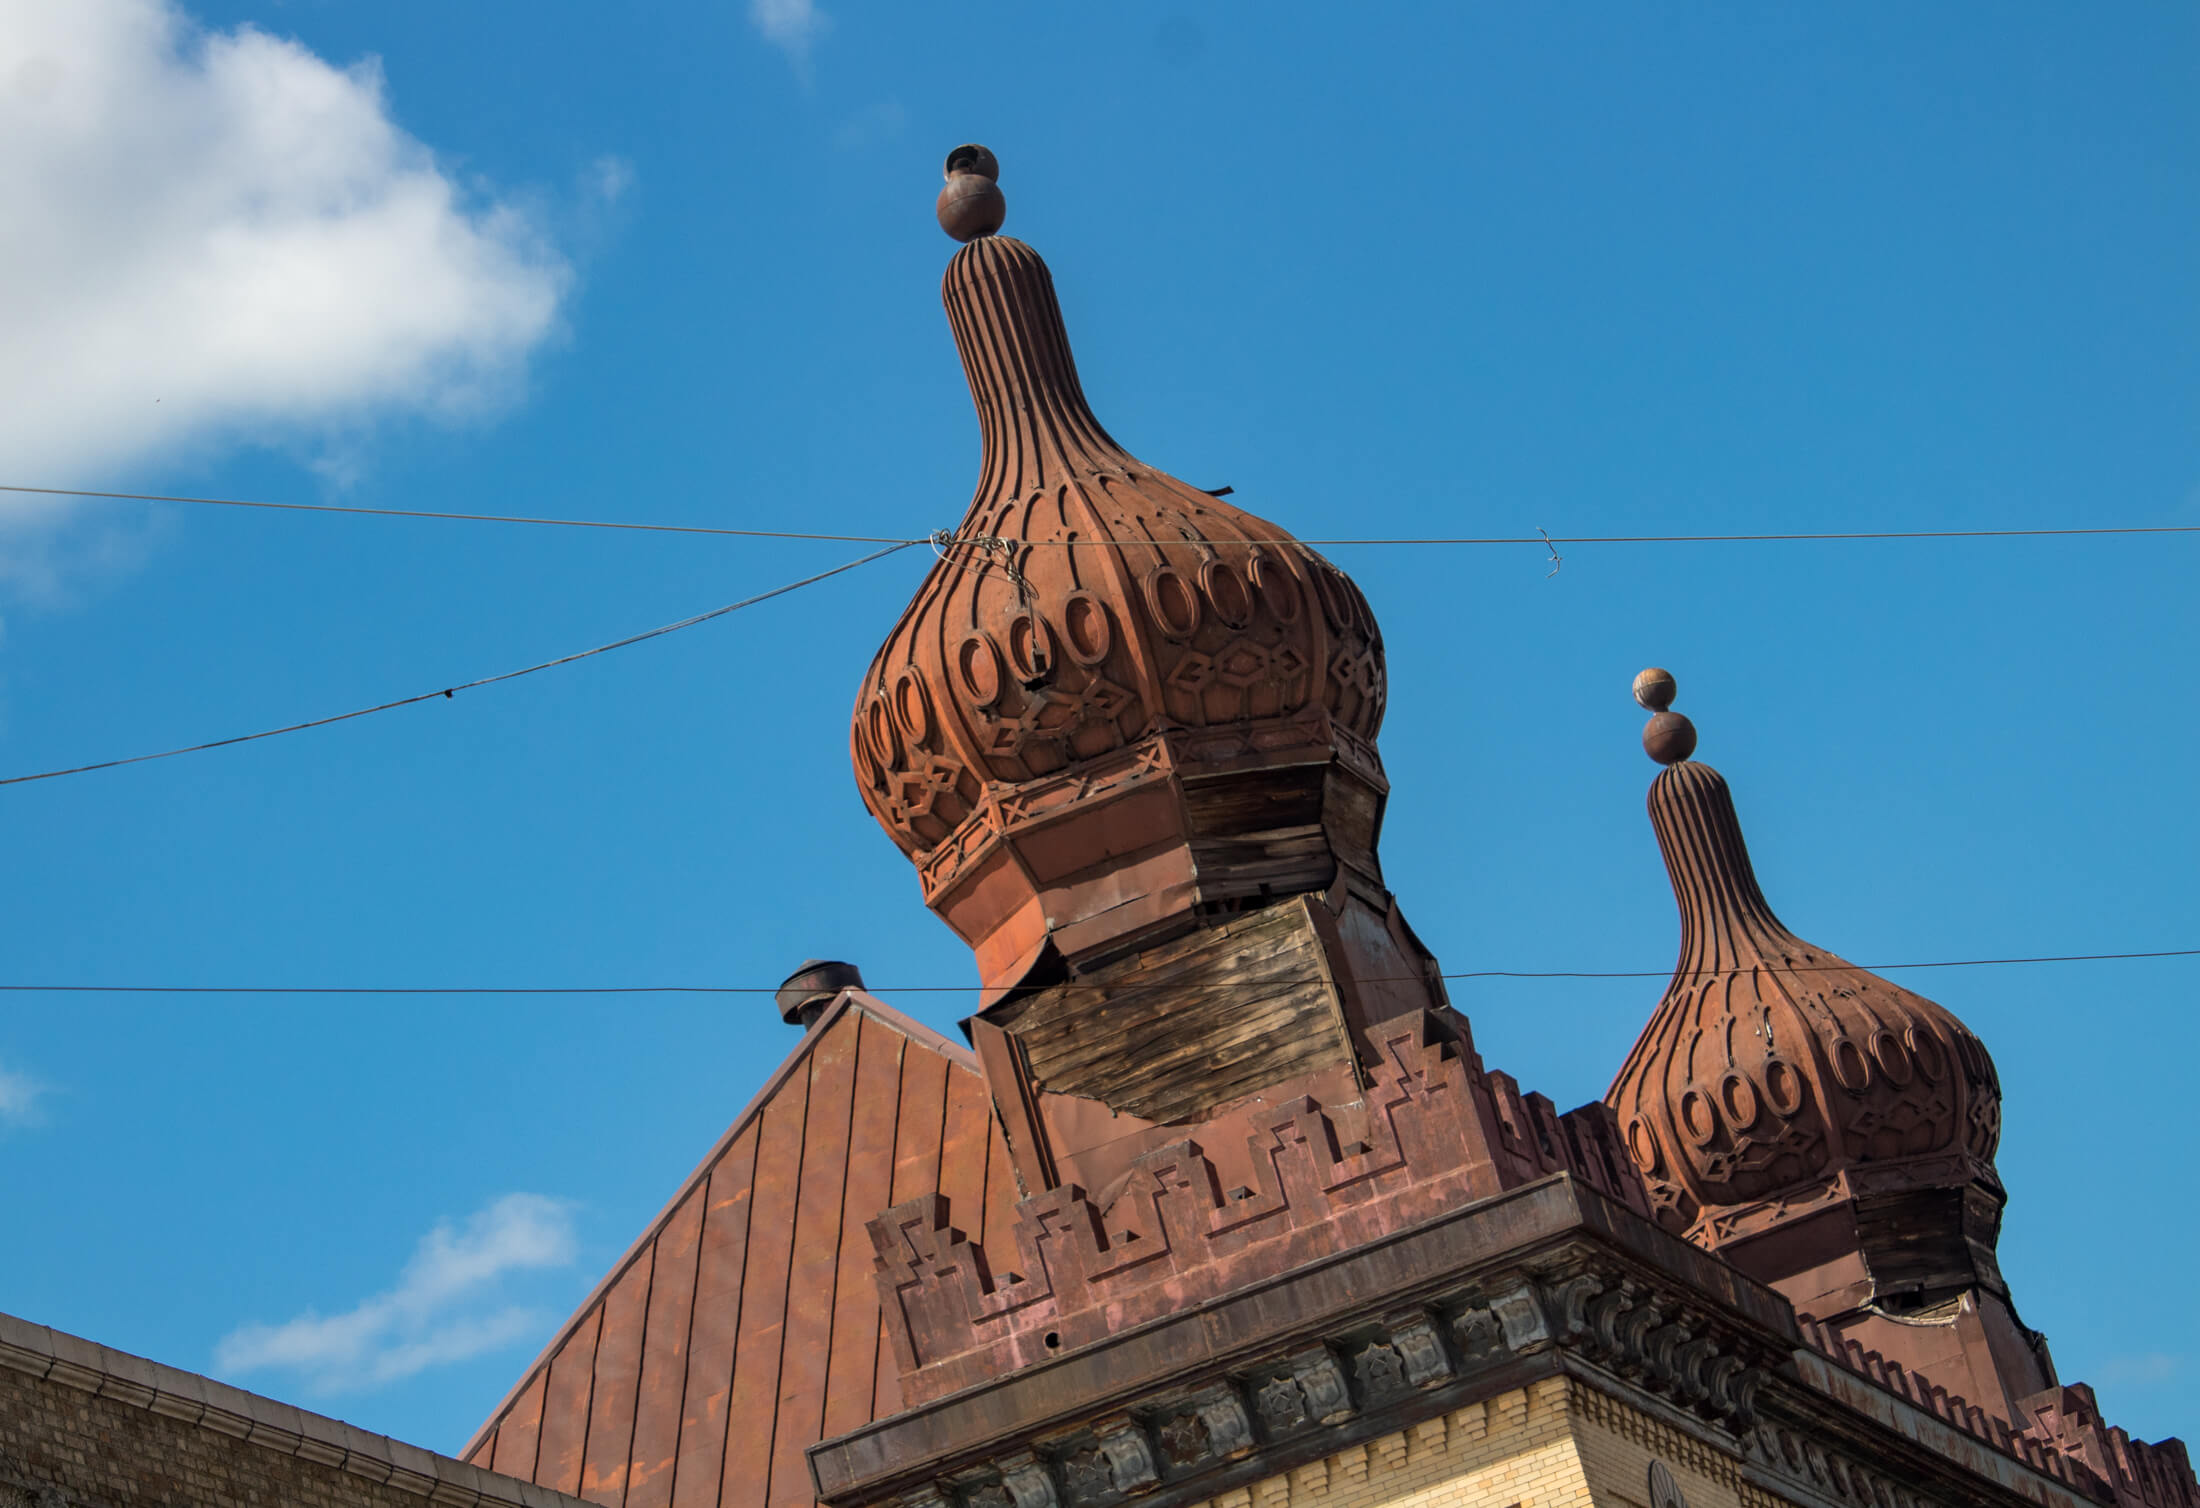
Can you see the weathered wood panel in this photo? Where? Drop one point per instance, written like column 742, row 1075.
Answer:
column 1191, row 1023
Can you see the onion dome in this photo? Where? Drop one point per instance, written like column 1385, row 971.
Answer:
column 1117, row 700
column 1778, row 1083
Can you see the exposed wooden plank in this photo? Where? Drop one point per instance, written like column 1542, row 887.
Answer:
column 664, row 1353
column 1191, row 1022
column 851, row 1372
column 565, row 1409
column 618, row 1383
column 520, row 1431
column 1185, row 1031
column 1253, row 1018
column 807, row 1346
column 719, row 1266
column 750, row 1405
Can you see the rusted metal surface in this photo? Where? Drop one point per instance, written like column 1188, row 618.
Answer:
column 971, row 205
column 852, row 1376
column 2068, row 1421
column 1826, row 1130
column 1668, row 738
column 1655, row 688
column 813, row 1268
column 565, row 1410
column 1405, row 1321
column 511, row 1449
column 1117, row 697
column 618, row 1377
column 1224, row 1149
column 745, row 1323
column 675, row 1245
column 1773, row 1068
column 814, row 986
column 714, row 1330
column 1275, row 1183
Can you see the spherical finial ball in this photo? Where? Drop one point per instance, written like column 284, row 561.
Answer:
column 971, row 205
column 1668, row 738
column 1655, row 688
column 972, row 158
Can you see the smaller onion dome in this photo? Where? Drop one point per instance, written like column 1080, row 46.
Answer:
column 1777, row 1081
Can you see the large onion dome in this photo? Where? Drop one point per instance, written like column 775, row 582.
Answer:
column 1117, row 701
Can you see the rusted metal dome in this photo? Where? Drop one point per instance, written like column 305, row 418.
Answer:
column 1117, row 699
column 1776, row 1076
column 1820, row 1127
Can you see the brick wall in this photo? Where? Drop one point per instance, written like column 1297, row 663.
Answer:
column 1514, row 1449
column 1553, row 1445
column 85, row 1427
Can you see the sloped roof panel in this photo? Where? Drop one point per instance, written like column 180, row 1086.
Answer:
column 744, row 1325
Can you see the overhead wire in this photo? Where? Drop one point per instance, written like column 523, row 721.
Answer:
column 476, row 518
column 941, row 540
column 1115, row 987
column 1538, row 538
column 453, row 690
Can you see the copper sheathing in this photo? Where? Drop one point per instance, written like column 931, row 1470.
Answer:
column 1776, row 1076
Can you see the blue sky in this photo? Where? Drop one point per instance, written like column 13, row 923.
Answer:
column 1437, row 270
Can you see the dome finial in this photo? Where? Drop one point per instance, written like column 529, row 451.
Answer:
column 1668, row 737
column 971, row 205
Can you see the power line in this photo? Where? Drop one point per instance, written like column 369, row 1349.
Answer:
column 476, row 518
column 881, row 539
column 1119, row 988
column 1719, row 539
column 487, row 680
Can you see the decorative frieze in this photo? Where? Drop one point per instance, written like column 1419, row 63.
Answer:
column 1830, row 1473
column 1352, row 1393
column 1667, row 1343
column 1324, row 1180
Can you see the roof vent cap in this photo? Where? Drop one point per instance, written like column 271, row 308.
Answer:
column 809, row 989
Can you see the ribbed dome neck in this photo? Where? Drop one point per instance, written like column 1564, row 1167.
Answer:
column 1032, row 414
column 1726, row 922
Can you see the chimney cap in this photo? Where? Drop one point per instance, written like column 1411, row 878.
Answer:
column 809, row 989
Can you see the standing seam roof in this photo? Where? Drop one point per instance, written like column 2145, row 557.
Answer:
column 744, row 1325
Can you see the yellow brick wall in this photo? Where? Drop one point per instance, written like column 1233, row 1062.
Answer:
column 1556, row 1444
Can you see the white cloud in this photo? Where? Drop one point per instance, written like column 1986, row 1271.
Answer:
column 790, row 25
column 607, row 179
column 874, row 123
column 19, row 1097
column 447, row 1305
column 2153, row 1367
column 218, row 237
